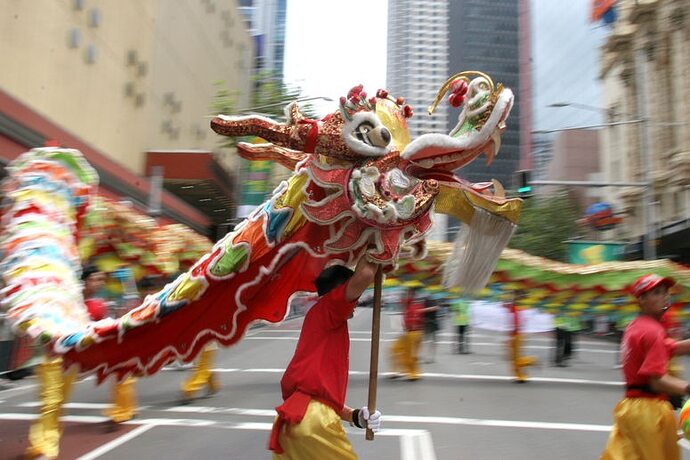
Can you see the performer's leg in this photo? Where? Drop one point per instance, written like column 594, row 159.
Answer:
column 406, row 353
column 644, row 428
column 516, row 361
column 44, row 433
column 320, row 435
column 558, row 360
column 466, row 335
column 415, row 340
column 568, row 345
column 124, row 405
column 202, row 375
column 461, row 339
column 398, row 355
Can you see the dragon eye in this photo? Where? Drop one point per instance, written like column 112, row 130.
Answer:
column 362, row 132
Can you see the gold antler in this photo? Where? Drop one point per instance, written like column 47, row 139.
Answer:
column 463, row 75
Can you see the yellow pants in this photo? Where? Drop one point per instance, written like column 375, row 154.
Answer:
column 124, row 406
column 644, row 429
column 202, row 376
column 320, row 435
column 54, row 389
column 405, row 354
column 518, row 361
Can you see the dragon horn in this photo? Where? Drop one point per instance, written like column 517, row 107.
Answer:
column 290, row 136
column 465, row 76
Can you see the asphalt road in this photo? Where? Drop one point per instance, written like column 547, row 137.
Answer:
column 464, row 407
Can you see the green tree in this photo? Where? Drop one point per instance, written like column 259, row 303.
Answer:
column 270, row 96
column 545, row 224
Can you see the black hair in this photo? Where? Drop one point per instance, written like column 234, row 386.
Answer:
column 332, row 277
column 147, row 282
column 88, row 270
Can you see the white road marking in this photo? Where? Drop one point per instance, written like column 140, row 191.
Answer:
column 117, row 442
column 415, row 444
column 449, row 342
column 684, row 444
column 506, row 378
column 77, row 405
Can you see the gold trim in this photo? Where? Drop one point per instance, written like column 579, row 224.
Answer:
column 464, row 75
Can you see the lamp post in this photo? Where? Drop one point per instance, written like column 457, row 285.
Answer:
column 649, row 235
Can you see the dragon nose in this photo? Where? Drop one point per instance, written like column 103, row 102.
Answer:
column 385, row 135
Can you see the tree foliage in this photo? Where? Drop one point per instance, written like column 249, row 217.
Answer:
column 269, row 98
column 545, row 224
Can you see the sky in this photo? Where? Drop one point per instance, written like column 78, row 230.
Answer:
column 334, row 45
column 565, row 63
column 331, row 46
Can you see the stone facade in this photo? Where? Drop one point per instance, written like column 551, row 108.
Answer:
column 127, row 77
column 645, row 67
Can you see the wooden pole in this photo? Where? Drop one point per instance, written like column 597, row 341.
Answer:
column 375, row 332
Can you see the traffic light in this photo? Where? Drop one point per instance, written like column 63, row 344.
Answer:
column 524, row 179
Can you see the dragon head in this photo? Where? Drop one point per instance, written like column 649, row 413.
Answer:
column 353, row 133
column 485, row 108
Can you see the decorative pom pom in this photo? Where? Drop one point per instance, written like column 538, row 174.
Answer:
column 400, row 100
column 382, row 93
column 407, row 111
column 355, row 91
column 456, row 100
column 459, row 85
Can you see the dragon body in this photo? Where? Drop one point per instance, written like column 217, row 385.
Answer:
column 358, row 186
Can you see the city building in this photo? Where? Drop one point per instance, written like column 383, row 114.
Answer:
column 417, row 60
column 266, row 23
column 574, row 157
column 131, row 85
column 417, row 67
column 645, row 71
column 486, row 36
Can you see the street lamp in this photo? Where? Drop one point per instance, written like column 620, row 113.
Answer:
column 648, row 248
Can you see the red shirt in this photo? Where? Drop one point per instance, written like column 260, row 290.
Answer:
column 646, row 350
column 515, row 316
column 414, row 318
column 97, row 309
column 321, row 362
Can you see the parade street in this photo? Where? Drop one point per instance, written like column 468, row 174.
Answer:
column 464, row 407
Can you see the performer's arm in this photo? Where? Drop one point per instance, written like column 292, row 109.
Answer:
column 361, row 418
column 669, row 384
column 682, row 347
column 361, row 279
column 346, row 414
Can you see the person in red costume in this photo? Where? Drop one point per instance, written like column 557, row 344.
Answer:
column 645, row 425
column 124, row 400
column 308, row 425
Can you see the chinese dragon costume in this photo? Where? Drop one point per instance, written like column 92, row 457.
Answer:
column 359, row 185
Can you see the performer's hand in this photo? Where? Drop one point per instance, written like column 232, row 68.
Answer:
column 371, row 421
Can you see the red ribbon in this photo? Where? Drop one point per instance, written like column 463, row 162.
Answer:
column 292, row 412
column 312, row 135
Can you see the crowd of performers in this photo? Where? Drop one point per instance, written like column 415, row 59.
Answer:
column 315, row 381
column 55, row 384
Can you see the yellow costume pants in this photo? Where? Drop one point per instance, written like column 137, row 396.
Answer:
column 518, row 361
column 202, row 376
column 54, row 389
column 405, row 354
column 644, row 429
column 124, row 406
column 320, row 435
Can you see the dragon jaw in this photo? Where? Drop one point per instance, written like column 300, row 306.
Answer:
column 450, row 152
